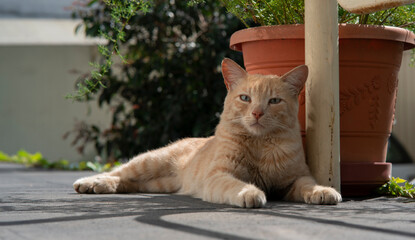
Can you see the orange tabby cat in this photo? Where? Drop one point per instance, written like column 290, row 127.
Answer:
column 256, row 150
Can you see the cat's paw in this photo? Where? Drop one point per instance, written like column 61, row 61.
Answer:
column 323, row 195
column 251, row 197
column 97, row 184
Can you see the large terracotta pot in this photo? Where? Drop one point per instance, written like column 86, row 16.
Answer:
column 370, row 58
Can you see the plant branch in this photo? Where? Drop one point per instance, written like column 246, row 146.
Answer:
column 121, row 13
column 390, row 13
column 406, row 24
column 273, row 11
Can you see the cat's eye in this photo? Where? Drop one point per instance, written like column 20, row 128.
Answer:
column 245, row 98
column 274, row 100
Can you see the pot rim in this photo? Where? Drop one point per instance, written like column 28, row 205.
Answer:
column 346, row 31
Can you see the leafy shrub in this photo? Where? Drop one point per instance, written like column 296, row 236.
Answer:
column 171, row 86
column 38, row 161
column 277, row 12
column 397, row 187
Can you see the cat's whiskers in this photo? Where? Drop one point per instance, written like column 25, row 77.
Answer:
column 236, row 119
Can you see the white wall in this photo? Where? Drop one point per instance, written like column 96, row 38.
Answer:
column 34, row 114
column 40, row 59
column 35, row 8
column 404, row 128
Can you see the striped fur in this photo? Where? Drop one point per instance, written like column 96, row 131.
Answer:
column 256, row 151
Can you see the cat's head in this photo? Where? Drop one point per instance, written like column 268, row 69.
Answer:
column 261, row 104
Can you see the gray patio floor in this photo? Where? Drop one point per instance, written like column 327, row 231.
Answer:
column 39, row 204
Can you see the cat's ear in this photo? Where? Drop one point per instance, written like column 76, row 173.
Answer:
column 232, row 73
column 296, row 78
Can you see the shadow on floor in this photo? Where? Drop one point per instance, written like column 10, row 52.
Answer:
column 151, row 209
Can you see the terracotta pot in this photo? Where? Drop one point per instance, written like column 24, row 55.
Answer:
column 369, row 58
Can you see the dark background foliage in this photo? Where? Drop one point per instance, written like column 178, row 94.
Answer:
column 171, row 87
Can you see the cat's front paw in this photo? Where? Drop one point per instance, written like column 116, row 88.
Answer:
column 97, row 184
column 323, row 195
column 251, row 197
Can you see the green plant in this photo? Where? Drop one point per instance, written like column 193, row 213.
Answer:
column 397, row 187
column 172, row 53
column 277, row 12
column 271, row 12
column 403, row 16
column 121, row 13
column 37, row 160
column 249, row 12
column 171, row 86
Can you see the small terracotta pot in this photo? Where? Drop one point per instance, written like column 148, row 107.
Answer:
column 369, row 61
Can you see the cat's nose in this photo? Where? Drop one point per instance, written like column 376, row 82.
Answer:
column 258, row 114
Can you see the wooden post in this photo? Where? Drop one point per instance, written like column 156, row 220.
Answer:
column 322, row 91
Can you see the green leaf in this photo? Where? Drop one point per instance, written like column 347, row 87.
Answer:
column 91, row 166
column 4, row 157
column 91, row 3
column 22, row 153
column 82, row 165
column 396, row 188
column 42, row 163
column 37, row 160
column 398, row 180
column 106, row 167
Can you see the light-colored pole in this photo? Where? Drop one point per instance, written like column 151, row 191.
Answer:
column 322, row 91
